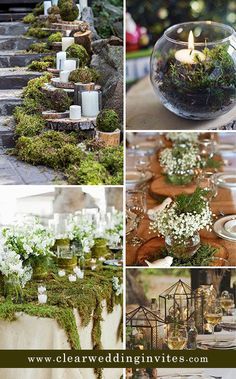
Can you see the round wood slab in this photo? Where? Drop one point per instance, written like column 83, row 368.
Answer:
column 160, row 187
column 56, row 83
column 151, row 250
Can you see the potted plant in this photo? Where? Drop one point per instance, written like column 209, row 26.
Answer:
column 108, row 127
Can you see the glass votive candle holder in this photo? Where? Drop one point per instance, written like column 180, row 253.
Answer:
column 193, row 68
column 207, row 181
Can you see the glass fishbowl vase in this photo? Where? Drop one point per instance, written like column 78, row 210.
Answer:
column 183, row 249
column 193, row 69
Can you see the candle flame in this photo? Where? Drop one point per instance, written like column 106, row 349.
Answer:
column 191, row 41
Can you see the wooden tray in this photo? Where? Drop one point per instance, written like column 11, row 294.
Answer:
column 160, row 187
column 151, row 250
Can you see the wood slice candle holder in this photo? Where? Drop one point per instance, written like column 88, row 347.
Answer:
column 81, row 26
column 51, row 115
column 86, row 125
column 84, row 39
column 109, row 139
column 161, row 188
column 56, row 83
column 54, row 71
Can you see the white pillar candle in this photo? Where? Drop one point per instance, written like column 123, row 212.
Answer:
column 69, row 65
column 90, row 103
column 188, row 56
column 42, row 298
column 61, row 57
column 47, row 5
column 64, row 76
column 54, row 2
column 83, row 4
column 67, row 42
column 79, row 17
column 75, row 112
column 72, row 278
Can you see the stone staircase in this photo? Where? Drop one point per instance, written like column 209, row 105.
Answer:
column 13, row 10
column 13, row 77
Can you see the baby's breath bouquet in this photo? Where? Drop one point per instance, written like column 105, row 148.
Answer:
column 179, row 163
column 181, row 221
column 183, row 137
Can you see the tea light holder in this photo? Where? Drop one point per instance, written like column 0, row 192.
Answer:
column 64, row 76
column 75, row 112
column 89, row 97
column 193, row 69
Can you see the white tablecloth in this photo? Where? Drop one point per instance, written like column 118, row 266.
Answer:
column 29, row 333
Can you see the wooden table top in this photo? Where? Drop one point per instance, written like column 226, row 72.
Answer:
column 224, row 202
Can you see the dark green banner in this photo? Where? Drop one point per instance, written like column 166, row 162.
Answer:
column 116, row 359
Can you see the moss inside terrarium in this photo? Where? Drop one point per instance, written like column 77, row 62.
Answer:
column 205, row 87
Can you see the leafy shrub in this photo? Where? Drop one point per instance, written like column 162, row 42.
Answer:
column 84, row 75
column 89, row 172
column 107, row 121
column 112, row 159
column 78, row 51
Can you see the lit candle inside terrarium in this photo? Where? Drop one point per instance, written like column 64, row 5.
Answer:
column 188, row 56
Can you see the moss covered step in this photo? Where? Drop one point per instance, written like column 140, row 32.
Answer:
column 9, row 99
column 13, row 28
column 18, row 59
column 16, row 78
column 15, row 43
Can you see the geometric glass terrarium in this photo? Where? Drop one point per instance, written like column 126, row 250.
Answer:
column 193, row 69
column 177, row 304
column 142, row 329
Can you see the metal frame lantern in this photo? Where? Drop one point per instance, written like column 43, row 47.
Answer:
column 145, row 321
column 179, row 304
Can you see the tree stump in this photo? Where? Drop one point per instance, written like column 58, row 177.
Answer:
column 84, row 39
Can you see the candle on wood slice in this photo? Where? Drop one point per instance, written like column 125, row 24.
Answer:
column 64, row 76
column 46, row 5
column 90, row 103
column 83, row 4
column 75, row 112
column 67, row 42
column 69, row 65
column 61, row 58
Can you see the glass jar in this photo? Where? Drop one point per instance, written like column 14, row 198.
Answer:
column 193, row 69
column 181, row 178
column 13, row 289
column 185, row 248
column 40, row 267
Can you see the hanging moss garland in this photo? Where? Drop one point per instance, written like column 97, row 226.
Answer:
column 84, row 295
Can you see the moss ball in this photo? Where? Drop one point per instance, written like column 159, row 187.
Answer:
column 29, row 18
column 108, row 121
column 83, row 75
column 69, row 11
column 54, row 10
column 59, row 100
column 79, row 52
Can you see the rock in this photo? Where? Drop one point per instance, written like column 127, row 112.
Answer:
column 118, row 29
column 108, row 60
column 87, row 16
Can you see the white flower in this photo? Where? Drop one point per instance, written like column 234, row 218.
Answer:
column 11, row 265
column 179, row 160
column 117, row 286
column 182, row 137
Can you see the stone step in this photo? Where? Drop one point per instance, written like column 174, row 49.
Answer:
column 9, row 99
column 13, row 28
column 18, row 59
column 13, row 16
column 15, row 43
column 16, row 78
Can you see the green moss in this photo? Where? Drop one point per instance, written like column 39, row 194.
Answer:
column 90, row 172
column 55, row 37
column 29, row 125
column 54, row 10
column 108, row 121
column 79, row 52
column 59, row 100
column 84, row 75
column 84, row 295
column 112, row 158
column 39, row 66
column 39, row 47
column 37, row 32
column 69, row 11
column 35, row 100
column 29, row 18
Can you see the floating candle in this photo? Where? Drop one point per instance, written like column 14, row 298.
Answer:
column 75, row 112
column 188, row 56
column 67, row 42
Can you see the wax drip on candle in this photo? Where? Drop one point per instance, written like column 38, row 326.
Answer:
column 188, row 56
